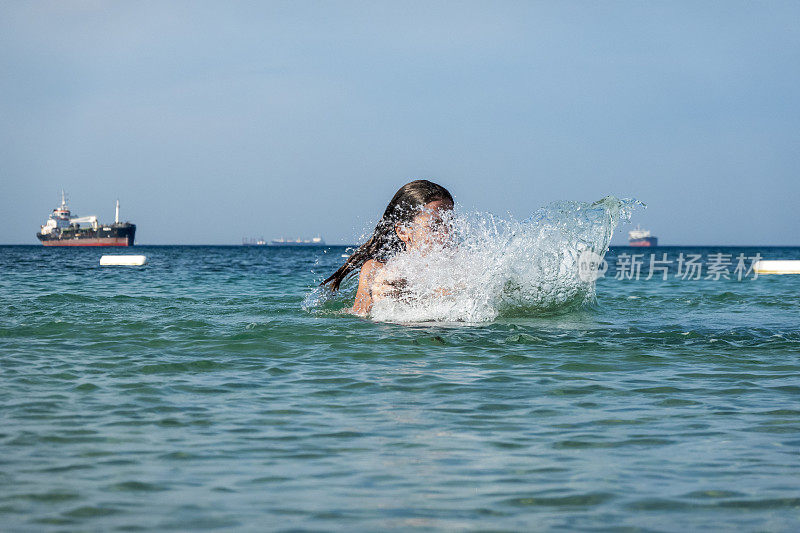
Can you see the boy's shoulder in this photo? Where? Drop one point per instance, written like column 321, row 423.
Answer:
column 371, row 270
column 371, row 264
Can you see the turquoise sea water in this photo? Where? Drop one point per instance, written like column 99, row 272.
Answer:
column 197, row 392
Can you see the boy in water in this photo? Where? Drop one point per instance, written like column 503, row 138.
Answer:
column 413, row 221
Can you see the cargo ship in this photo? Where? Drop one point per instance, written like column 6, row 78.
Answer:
column 641, row 237
column 253, row 241
column 62, row 229
column 316, row 241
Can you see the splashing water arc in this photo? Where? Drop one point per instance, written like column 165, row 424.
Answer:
column 502, row 267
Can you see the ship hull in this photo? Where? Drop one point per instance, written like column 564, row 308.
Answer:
column 116, row 235
column 87, row 242
column 647, row 241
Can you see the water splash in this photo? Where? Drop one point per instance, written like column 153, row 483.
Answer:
column 500, row 267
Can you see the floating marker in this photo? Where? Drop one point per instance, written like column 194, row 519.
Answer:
column 123, row 260
column 777, row 267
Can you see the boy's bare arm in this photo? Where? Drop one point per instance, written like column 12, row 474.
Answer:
column 366, row 278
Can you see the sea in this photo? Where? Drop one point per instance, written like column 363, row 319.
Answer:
column 217, row 388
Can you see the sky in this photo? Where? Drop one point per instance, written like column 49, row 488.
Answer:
column 213, row 121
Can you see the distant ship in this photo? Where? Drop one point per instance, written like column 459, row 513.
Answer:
column 316, row 241
column 62, row 229
column 641, row 237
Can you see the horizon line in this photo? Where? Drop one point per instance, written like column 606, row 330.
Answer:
column 351, row 245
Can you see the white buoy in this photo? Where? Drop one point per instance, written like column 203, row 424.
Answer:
column 123, row 260
column 785, row 266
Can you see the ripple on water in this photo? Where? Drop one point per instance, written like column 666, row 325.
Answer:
column 590, row 499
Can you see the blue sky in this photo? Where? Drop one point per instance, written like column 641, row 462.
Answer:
column 214, row 121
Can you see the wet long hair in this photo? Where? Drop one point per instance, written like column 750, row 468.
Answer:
column 384, row 242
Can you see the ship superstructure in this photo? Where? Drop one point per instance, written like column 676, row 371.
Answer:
column 641, row 237
column 63, row 229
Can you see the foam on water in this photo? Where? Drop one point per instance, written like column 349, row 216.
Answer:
column 498, row 266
